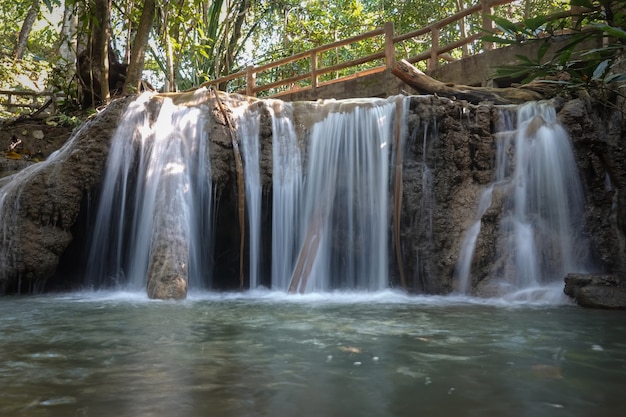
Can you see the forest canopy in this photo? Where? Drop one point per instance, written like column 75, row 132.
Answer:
column 91, row 50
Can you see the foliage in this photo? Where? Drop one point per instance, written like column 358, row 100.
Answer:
column 196, row 40
column 63, row 119
column 572, row 66
column 30, row 73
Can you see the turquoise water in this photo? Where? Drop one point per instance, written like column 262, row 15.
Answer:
column 270, row 354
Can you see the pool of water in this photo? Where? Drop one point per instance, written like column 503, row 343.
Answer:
column 270, row 354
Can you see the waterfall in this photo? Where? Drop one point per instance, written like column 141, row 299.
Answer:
column 345, row 219
column 248, row 129
column 548, row 202
column 541, row 228
column 156, row 196
column 287, row 186
column 155, row 205
column 464, row 263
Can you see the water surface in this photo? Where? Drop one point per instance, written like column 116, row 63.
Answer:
column 269, row 354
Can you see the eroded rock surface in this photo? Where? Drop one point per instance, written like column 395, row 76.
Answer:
column 597, row 291
column 40, row 204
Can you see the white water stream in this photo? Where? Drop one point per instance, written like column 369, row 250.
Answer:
column 541, row 234
column 345, row 220
column 157, row 194
column 248, row 128
column 288, row 179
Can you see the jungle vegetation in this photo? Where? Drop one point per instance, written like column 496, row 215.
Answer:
column 89, row 51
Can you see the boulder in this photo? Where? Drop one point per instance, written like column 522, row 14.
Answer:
column 597, row 290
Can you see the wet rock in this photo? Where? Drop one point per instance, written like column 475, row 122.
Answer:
column 41, row 203
column 597, row 291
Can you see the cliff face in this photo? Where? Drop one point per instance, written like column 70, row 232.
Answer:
column 599, row 137
column 449, row 160
column 40, row 204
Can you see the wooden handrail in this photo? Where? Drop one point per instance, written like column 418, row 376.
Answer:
column 31, row 98
column 387, row 54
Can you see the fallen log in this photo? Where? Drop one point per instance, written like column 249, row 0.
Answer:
column 475, row 95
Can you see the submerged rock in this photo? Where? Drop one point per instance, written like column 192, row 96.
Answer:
column 597, row 290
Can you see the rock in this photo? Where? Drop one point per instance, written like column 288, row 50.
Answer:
column 597, row 290
column 41, row 203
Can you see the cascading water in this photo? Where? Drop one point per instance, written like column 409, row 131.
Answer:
column 156, row 205
column 345, row 219
column 331, row 222
column 157, row 190
column 248, row 129
column 548, row 200
column 468, row 246
column 287, row 186
column 541, row 237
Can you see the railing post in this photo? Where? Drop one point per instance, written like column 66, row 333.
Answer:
column 313, row 70
column 433, row 62
column 487, row 23
column 250, row 81
column 390, row 48
column 576, row 18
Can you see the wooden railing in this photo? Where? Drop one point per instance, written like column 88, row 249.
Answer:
column 385, row 58
column 31, row 100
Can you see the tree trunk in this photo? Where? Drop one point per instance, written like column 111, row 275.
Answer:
column 129, row 30
column 69, row 35
column 231, row 51
column 27, row 26
column 427, row 85
column 133, row 75
column 100, row 48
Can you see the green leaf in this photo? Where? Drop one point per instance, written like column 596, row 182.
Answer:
column 615, row 78
column 611, row 30
column 51, row 3
column 542, row 50
column 535, row 23
column 525, row 59
column 498, row 39
column 598, row 73
column 584, row 3
column 506, row 25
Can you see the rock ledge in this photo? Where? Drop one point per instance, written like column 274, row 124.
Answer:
column 597, row 290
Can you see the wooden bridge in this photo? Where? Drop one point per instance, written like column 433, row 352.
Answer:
column 310, row 84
